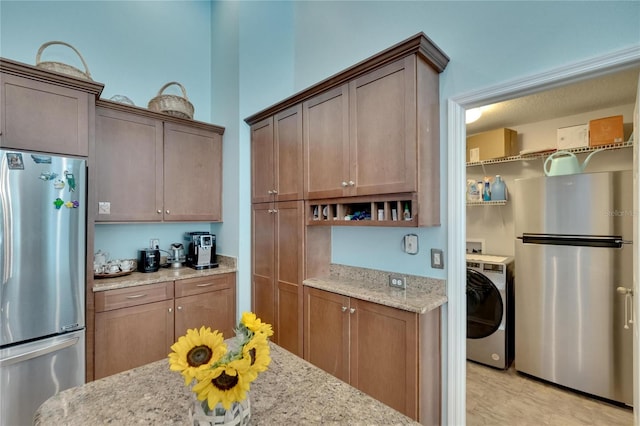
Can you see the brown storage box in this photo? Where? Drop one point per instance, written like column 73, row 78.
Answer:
column 606, row 131
column 492, row 144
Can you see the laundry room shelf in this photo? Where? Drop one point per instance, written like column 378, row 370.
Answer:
column 486, row 203
column 535, row 156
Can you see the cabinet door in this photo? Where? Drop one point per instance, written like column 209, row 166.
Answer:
column 207, row 301
column 262, row 162
column 263, row 262
column 326, row 332
column 43, row 117
column 130, row 337
column 326, row 144
column 289, row 235
column 384, row 355
column 288, row 162
column 128, row 167
column 383, row 148
column 192, row 174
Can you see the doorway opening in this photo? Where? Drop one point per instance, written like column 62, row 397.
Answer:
column 456, row 318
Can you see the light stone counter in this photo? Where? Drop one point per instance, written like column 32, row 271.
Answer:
column 422, row 294
column 226, row 265
column 291, row 391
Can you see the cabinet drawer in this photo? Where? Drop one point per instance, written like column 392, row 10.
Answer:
column 201, row 285
column 133, row 296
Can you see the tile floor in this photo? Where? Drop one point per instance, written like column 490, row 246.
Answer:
column 506, row 398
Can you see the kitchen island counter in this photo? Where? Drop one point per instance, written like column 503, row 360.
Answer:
column 291, row 391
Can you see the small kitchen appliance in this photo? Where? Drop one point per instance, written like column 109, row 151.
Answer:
column 148, row 260
column 177, row 255
column 201, row 250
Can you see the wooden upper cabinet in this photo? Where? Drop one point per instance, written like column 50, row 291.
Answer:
column 128, row 166
column 276, row 157
column 383, row 143
column 45, row 112
column 326, row 144
column 149, row 168
column 192, row 174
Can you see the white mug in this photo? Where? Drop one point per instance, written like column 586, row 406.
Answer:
column 126, row 265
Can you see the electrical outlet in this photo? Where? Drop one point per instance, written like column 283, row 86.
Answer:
column 437, row 259
column 154, row 243
column 397, row 281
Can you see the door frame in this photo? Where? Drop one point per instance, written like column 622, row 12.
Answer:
column 455, row 366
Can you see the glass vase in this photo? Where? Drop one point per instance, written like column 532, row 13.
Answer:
column 238, row 414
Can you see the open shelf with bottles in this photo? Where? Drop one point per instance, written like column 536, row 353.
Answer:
column 381, row 210
column 544, row 154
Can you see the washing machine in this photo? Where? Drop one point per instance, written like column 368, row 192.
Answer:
column 490, row 309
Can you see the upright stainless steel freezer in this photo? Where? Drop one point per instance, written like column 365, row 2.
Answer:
column 42, row 276
column 575, row 272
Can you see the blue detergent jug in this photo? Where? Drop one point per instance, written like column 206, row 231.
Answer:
column 498, row 189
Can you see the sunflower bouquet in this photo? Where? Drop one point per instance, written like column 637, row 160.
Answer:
column 222, row 376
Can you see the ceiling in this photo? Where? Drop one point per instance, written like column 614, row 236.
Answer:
column 589, row 95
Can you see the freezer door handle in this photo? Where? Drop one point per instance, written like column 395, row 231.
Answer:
column 38, row 352
column 574, row 240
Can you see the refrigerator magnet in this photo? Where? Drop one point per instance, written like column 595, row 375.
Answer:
column 14, row 160
column 58, row 184
column 71, row 181
column 48, row 176
column 58, row 203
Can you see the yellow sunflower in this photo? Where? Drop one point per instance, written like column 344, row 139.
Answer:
column 196, row 350
column 254, row 324
column 256, row 351
column 226, row 383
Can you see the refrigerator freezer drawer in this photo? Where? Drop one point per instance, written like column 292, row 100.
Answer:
column 33, row 372
column 570, row 318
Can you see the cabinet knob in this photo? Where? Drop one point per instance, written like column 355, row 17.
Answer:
column 275, row 191
column 179, row 308
column 344, row 184
column 269, row 192
column 159, row 211
column 351, row 183
column 344, row 309
column 170, row 310
column 352, row 310
column 167, row 212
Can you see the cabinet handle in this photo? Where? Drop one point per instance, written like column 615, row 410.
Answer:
column 344, row 309
column 352, row 310
column 204, row 285
column 170, row 310
column 344, row 184
column 159, row 211
column 351, row 183
column 167, row 212
column 136, row 296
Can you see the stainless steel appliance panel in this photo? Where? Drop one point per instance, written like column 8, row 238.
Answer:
column 43, row 367
column 42, row 245
column 581, row 204
column 570, row 319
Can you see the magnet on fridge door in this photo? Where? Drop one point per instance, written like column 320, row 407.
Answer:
column 48, row 176
column 58, row 203
column 71, row 181
column 58, row 184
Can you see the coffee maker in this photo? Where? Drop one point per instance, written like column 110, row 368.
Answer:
column 148, row 260
column 201, row 253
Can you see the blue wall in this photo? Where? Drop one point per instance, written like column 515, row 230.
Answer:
column 237, row 58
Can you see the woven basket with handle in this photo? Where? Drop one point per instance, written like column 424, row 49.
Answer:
column 60, row 66
column 178, row 106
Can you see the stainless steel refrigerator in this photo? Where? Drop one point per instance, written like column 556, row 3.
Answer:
column 42, row 276
column 575, row 269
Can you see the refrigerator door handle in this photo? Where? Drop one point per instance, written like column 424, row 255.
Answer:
column 574, row 240
column 38, row 352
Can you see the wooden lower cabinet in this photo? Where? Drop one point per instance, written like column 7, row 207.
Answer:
column 137, row 325
column 388, row 353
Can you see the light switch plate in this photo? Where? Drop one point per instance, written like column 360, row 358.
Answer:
column 437, row 259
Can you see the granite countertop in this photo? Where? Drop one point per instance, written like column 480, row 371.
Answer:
column 422, row 294
column 291, row 391
column 226, row 265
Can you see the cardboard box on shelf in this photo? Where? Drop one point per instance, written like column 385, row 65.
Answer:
column 573, row 137
column 606, row 131
column 496, row 143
